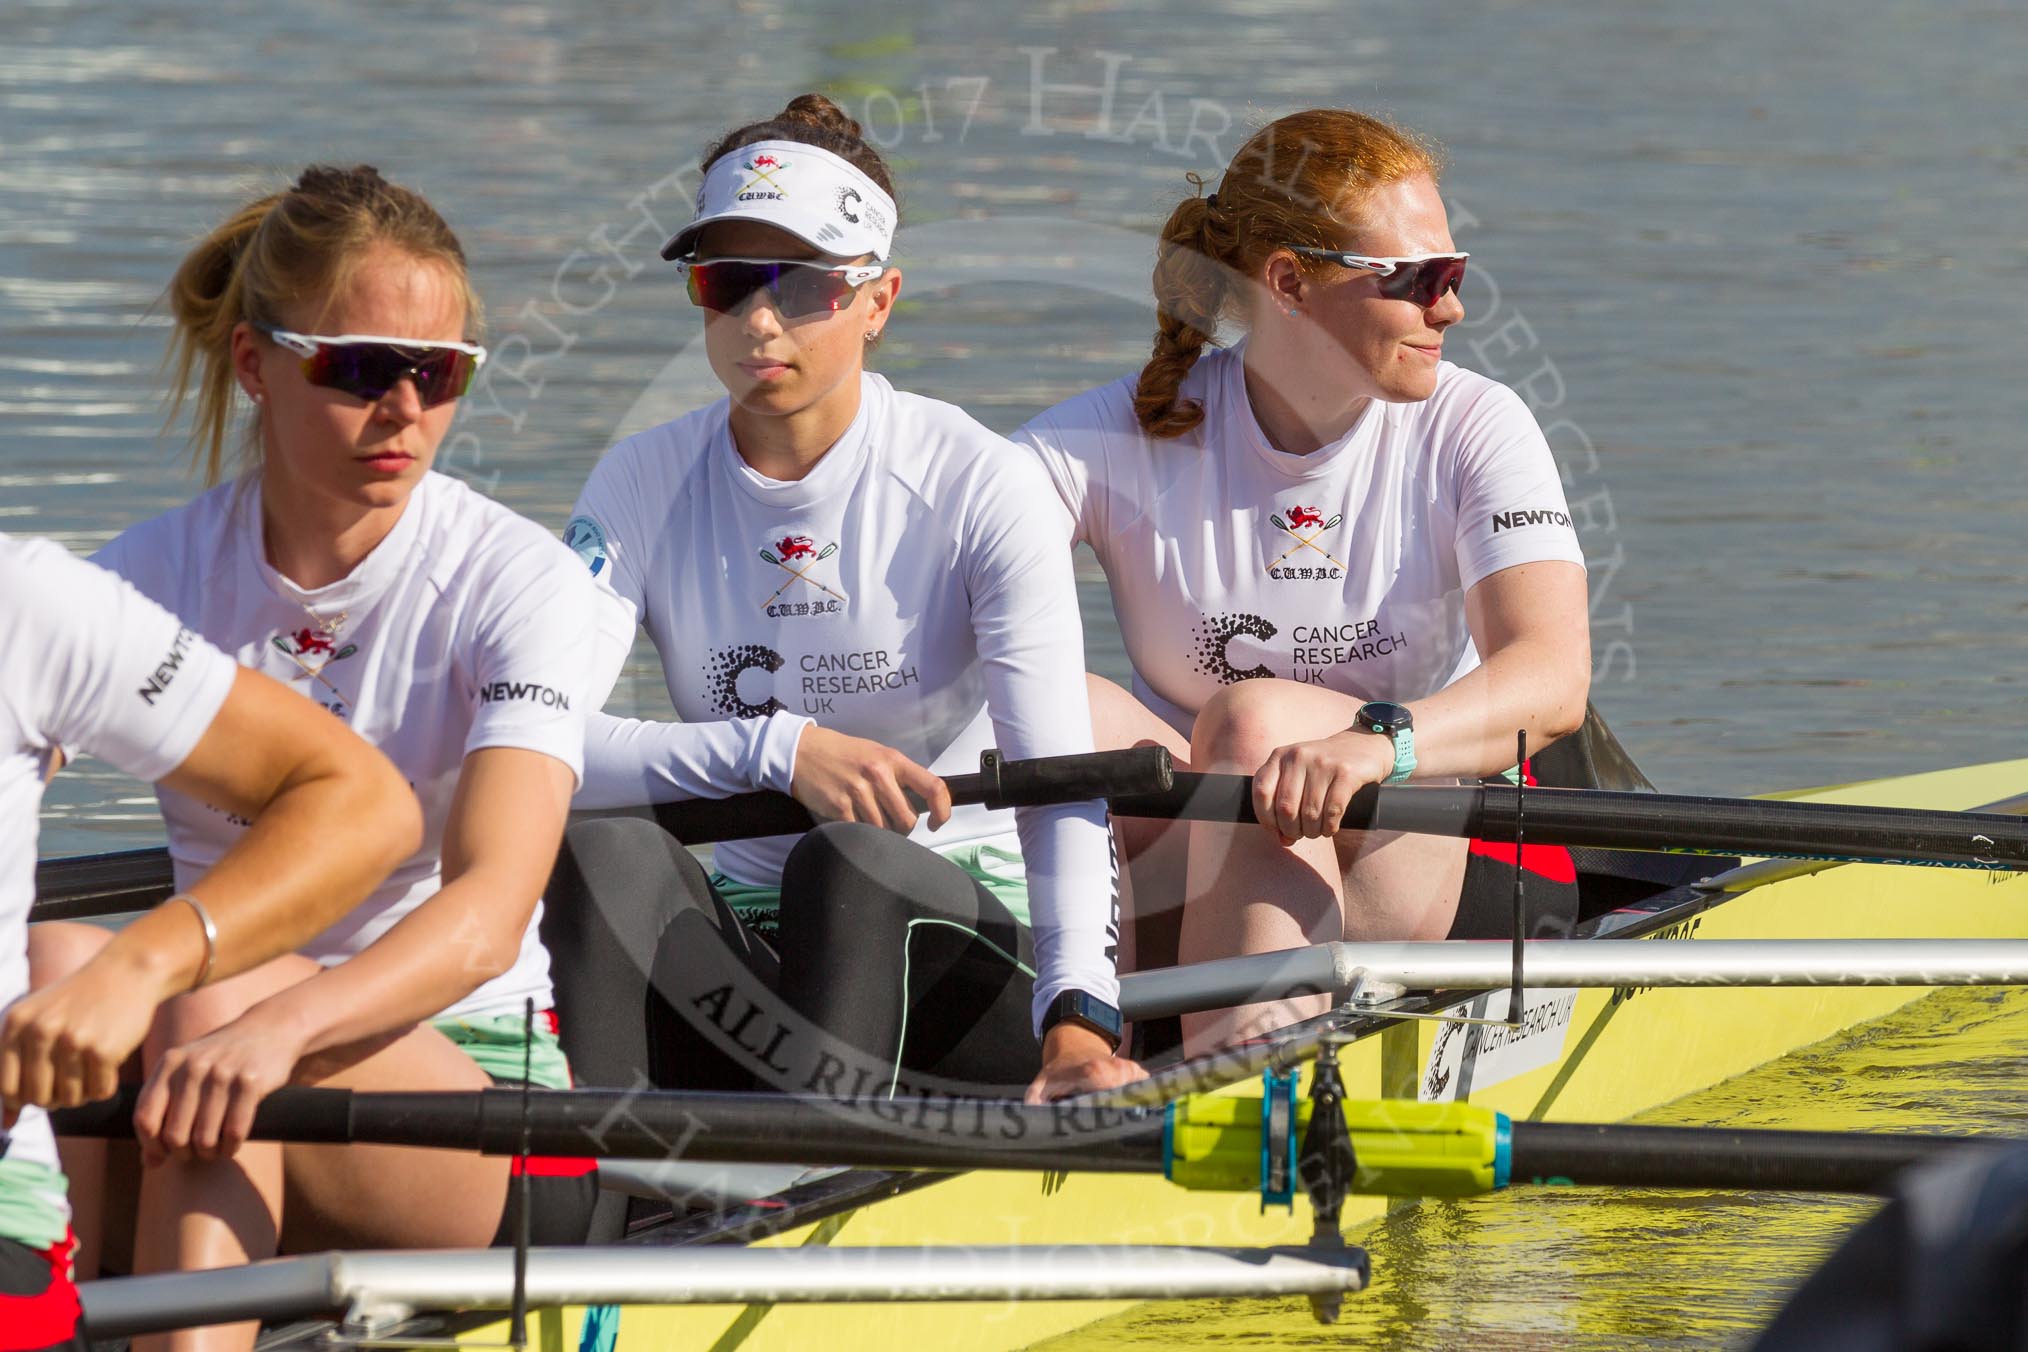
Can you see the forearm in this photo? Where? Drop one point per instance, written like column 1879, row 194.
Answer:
column 629, row 761
column 318, row 848
column 465, row 935
column 1468, row 729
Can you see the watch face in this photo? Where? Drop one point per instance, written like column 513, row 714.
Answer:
column 1086, row 1009
column 1385, row 717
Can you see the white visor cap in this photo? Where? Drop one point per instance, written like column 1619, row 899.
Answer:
column 820, row 198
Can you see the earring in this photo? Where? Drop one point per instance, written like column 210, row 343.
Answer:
column 873, row 335
column 257, row 397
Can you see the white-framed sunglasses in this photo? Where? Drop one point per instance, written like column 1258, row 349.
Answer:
column 1421, row 278
column 368, row 365
column 798, row 286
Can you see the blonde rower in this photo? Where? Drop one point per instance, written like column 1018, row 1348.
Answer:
column 448, row 631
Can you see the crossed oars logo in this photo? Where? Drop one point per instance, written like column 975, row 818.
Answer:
column 1307, row 517
column 764, row 168
column 316, row 673
column 799, row 574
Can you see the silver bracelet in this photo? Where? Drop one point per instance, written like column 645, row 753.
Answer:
column 210, row 935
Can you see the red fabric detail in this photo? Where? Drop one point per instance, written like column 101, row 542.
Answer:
column 1551, row 862
column 553, row 1166
column 49, row 1317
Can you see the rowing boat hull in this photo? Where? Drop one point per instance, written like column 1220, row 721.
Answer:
column 1620, row 1053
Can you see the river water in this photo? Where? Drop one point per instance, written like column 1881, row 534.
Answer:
column 1759, row 269
column 1578, row 1269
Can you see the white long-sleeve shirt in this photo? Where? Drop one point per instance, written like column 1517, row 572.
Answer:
column 908, row 590
column 90, row 666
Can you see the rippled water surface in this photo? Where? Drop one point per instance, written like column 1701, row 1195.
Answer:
column 1592, row 1268
column 1767, row 262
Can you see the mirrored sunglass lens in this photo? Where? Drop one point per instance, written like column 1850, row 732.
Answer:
column 1436, row 276
column 807, row 290
column 797, row 289
column 370, row 370
column 725, row 286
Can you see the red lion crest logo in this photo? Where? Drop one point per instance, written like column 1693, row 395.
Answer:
column 310, row 641
column 796, row 547
column 1302, row 517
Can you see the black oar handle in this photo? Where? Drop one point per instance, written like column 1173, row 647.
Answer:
column 1653, row 822
column 1000, row 783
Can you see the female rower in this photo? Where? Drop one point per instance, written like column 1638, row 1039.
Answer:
column 1337, row 559
column 844, row 585
column 448, row 631
column 89, row 665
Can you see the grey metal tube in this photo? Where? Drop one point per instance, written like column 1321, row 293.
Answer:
column 1487, row 964
column 386, row 1286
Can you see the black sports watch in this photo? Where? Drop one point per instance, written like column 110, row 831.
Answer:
column 1086, row 1011
column 1397, row 725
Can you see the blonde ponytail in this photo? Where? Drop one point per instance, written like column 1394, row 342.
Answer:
column 279, row 254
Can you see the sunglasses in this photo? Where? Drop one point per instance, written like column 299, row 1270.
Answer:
column 1422, row 278
column 367, row 367
column 797, row 288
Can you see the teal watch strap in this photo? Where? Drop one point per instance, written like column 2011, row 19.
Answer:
column 1404, row 755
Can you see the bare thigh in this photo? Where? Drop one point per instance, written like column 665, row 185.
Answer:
column 1249, row 893
column 1392, row 884
column 371, row 1196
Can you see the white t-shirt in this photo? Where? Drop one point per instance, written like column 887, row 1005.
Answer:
column 908, row 590
column 1346, row 568
column 467, row 627
column 89, row 665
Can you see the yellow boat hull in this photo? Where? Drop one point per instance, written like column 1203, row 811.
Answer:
column 1622, row 1052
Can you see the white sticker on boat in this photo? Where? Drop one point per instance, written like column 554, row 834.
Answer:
column 1469, row 1056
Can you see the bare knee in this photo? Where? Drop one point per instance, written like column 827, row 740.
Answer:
column 1241, row 725
column 59, row 947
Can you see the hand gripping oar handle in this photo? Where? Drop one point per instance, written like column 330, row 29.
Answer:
column 1000, row 783
column 1655, row 822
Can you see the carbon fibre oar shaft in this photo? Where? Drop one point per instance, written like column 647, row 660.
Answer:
column 1000, row 783
column 1654, row 822
column 1210, row 1142
column 911, row 1133
column 1614, row 1155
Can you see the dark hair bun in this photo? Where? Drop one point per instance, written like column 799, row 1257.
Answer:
column 814, row 110
column 324, row 180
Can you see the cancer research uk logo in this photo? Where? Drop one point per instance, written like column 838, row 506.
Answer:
column 721, row 679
